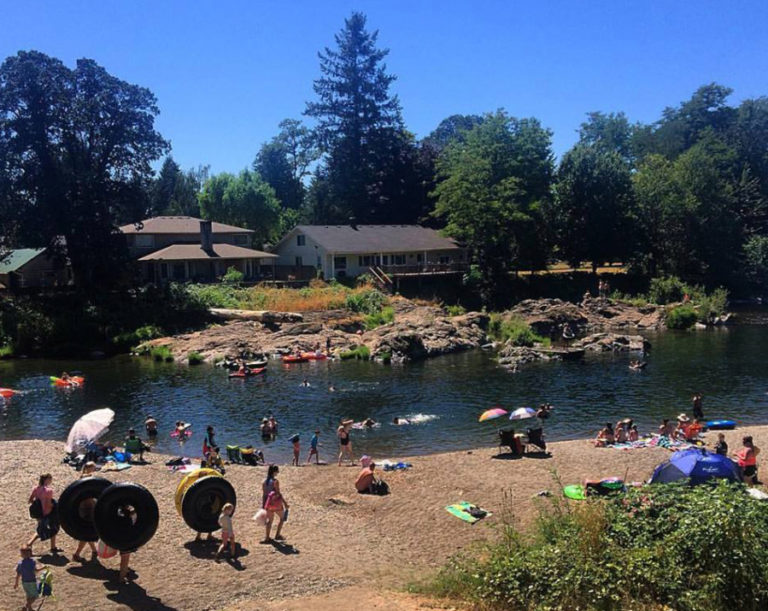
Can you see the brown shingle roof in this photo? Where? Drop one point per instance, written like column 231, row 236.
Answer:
column 188, row 252
column 377, row 238
column 179, row 224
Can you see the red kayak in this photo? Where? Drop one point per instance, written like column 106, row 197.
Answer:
column 314, row 356
column 247, row 372
column 292, row 358
column 7, row 393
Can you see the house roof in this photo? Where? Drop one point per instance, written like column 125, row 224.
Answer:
column 195, row 252
column 376, row 238
column 18, row 258
column 179, row 224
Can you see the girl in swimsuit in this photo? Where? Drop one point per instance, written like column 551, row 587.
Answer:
column 345, row 443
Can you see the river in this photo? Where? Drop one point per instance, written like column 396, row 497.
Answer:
column 728, row 365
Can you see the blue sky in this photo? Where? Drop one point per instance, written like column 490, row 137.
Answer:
column 226, row 73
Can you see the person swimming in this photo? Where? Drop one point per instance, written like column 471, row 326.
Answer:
column 305, row 383
column 399, row 421
column 369, row 422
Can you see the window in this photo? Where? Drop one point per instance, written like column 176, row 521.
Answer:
column 398, row 259
column 144, row 240
column 445, row 260
column 340, row 263
column 319, row 262
column 366, row 260
column 385, row 260
column 301, row 240
column 299, row 262
column 419, row 258
column 164, row 270
column 241, row 240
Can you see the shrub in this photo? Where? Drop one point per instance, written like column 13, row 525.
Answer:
column 702, row 548
column 161, row 353
column 669, row 289
column 515, row 330
column 361, row 353
column 129, row 339
column 6, row 351
column 195, row 358
column 681, row 317
column 385, row 316
column 456, row 310
column 369, row 301
column 711, row 306
column 233, row 277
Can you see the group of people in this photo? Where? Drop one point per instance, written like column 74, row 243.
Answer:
column 624, row 431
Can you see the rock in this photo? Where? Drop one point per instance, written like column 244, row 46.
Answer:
column 265, row 316
column 613, row 342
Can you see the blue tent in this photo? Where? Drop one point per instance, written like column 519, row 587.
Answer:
column 698, row 465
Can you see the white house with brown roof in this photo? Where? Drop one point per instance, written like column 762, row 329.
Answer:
column 184, row 248
column 351, row 250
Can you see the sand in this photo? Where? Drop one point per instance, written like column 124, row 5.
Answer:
column 341, row 548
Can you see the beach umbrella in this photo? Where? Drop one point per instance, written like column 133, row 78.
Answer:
column 89, row 428
column 521, row 413
column 490, row 414
column 698, row 465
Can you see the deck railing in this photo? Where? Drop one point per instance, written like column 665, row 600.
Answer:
column 425, row 269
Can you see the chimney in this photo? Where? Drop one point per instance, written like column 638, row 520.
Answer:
column 206, row 237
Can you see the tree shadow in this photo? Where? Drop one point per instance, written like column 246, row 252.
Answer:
column 507, row 456
column 284, row 548
column 133, row 596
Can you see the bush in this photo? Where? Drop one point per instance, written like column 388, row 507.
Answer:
column 386, row 316
column 369, row 301
column 681, row 317
column 361, row 353
column 6, row 351
column 515, row 330
column 702, row 548
column 711, row 306
column 666, row 290
column 161, row 353
column 130, row 339
column 195, row 358
column 456, row 310
column 233, row 277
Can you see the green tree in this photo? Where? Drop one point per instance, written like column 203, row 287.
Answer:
column 609, row 133
column 490, row 190
column 245, row 201
column 175, row 192
column 368, row 168
column 592, row 206
column 76, row 147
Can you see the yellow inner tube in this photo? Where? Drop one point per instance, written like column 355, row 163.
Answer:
column 190, row 479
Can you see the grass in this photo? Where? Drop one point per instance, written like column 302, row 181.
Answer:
column 361, row 353
column 6, row 351
column 195, row 358
column 161, row 353
column 515, row 330
column 385, row 316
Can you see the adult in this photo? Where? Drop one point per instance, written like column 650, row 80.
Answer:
column 134, row 444
column 366, row 479
column 274, row 503
column 698, row 412
column 605, row 436
column 86, row 511
column 536, row 427
column 747, row 460
column 681, row 432
column 150, row 424
column 45, row 507
column 667, row 428
column 209, row 441
column 345, row 443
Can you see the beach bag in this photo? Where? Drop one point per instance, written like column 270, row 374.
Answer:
column 380, row 488
column 45, row 583
column 104, row 551
column 261, row 517
column 274, row 501
column 36, row 510
column 48, row 526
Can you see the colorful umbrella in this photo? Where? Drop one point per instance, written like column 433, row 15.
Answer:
column 490, row 414
column 521, row 413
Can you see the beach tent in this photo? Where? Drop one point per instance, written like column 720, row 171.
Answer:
column 698, row 465
column 89, row 428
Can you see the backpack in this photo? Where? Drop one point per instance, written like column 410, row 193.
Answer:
column 45, row 583
column 380, row 488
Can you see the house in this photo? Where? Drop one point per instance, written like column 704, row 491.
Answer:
column 351, row 250
column 184, row 248
column 25, row 268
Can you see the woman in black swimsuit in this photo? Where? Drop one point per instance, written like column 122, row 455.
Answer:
column 345, row 443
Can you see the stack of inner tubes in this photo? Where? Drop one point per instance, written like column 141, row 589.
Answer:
column 200, row 497
column 124, row 515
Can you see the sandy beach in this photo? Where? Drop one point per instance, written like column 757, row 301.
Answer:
column 341, row 548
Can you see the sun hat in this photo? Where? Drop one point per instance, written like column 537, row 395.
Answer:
column 683, row 418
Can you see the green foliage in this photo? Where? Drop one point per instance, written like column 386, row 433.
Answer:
column 233, row 277
column 383, row 317
column 385, row 357
column 6, row 351
column 702, row 548
column 195, row 358
column 129, row 339
column 370, row 301
column 756, row 252
column 456, row 310
column 361, row 353
column 710, row 306
column 668, row 289
column 513, row 329
column 681, row 317
column 161, row 354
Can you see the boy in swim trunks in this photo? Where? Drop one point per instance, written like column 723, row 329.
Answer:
column 26, row 571
column 313, row 443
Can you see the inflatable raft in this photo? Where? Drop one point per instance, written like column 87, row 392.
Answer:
column 293, row 358
column 7, row 393
column 72, row 381
column 247, row 372
column 314, row 356
column 721, row 425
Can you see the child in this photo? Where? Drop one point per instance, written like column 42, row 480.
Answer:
column 26, row 571
column 605, row 437
column 313, row 448
column 721, row 447
column 227, row 534
column 296, row 450
column 213, row 460
column 634, row 434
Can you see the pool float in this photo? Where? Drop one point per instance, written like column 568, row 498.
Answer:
column 293, row 358
column 575, row 492
column 201, row 503
column 187, row 432
column 118, row 529
column 247, row 372
column 256, row 364
column 75, row 517
column 7, row 393
column 314, row 356
column 71, row 382
column 721, row 425
column 187, row 481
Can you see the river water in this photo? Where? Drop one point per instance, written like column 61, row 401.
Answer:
column 727, row 365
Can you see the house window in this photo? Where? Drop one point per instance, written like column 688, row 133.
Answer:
column 241, row 240
column 340, row 263
column 366, row 260
column 319, row 262
column 164, row 271
column 299, row 262
column 419, row 258
column 301, row 240
column 398, row 259
column 445, row 260
column 145, row 240
column 385, row 260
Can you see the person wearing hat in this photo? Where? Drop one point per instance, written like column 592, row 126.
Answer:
column 151, row 425
column 681, row 432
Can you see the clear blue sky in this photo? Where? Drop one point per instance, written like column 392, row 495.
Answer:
column 226, row 73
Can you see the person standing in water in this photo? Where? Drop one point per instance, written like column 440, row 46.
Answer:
column 698, row 412
column 345, row 443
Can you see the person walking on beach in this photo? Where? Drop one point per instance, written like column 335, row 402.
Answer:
column 43, row 509
column 274, row 503
column 86, row 510
column 26, row 572
column 227, row 532
column 698, row 412
column 345, row 443
column 747, row 459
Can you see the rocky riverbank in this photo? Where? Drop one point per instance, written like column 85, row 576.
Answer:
column 418, row 331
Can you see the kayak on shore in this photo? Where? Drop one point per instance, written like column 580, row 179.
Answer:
column 314, row 356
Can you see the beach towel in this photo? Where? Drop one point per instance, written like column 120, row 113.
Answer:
column 462, row 511
column 115, row 466
column 388, row 465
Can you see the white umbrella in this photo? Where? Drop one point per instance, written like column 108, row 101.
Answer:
column 89, row 428
column 521, row 413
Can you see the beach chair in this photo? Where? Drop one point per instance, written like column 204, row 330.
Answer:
column 515, row 442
